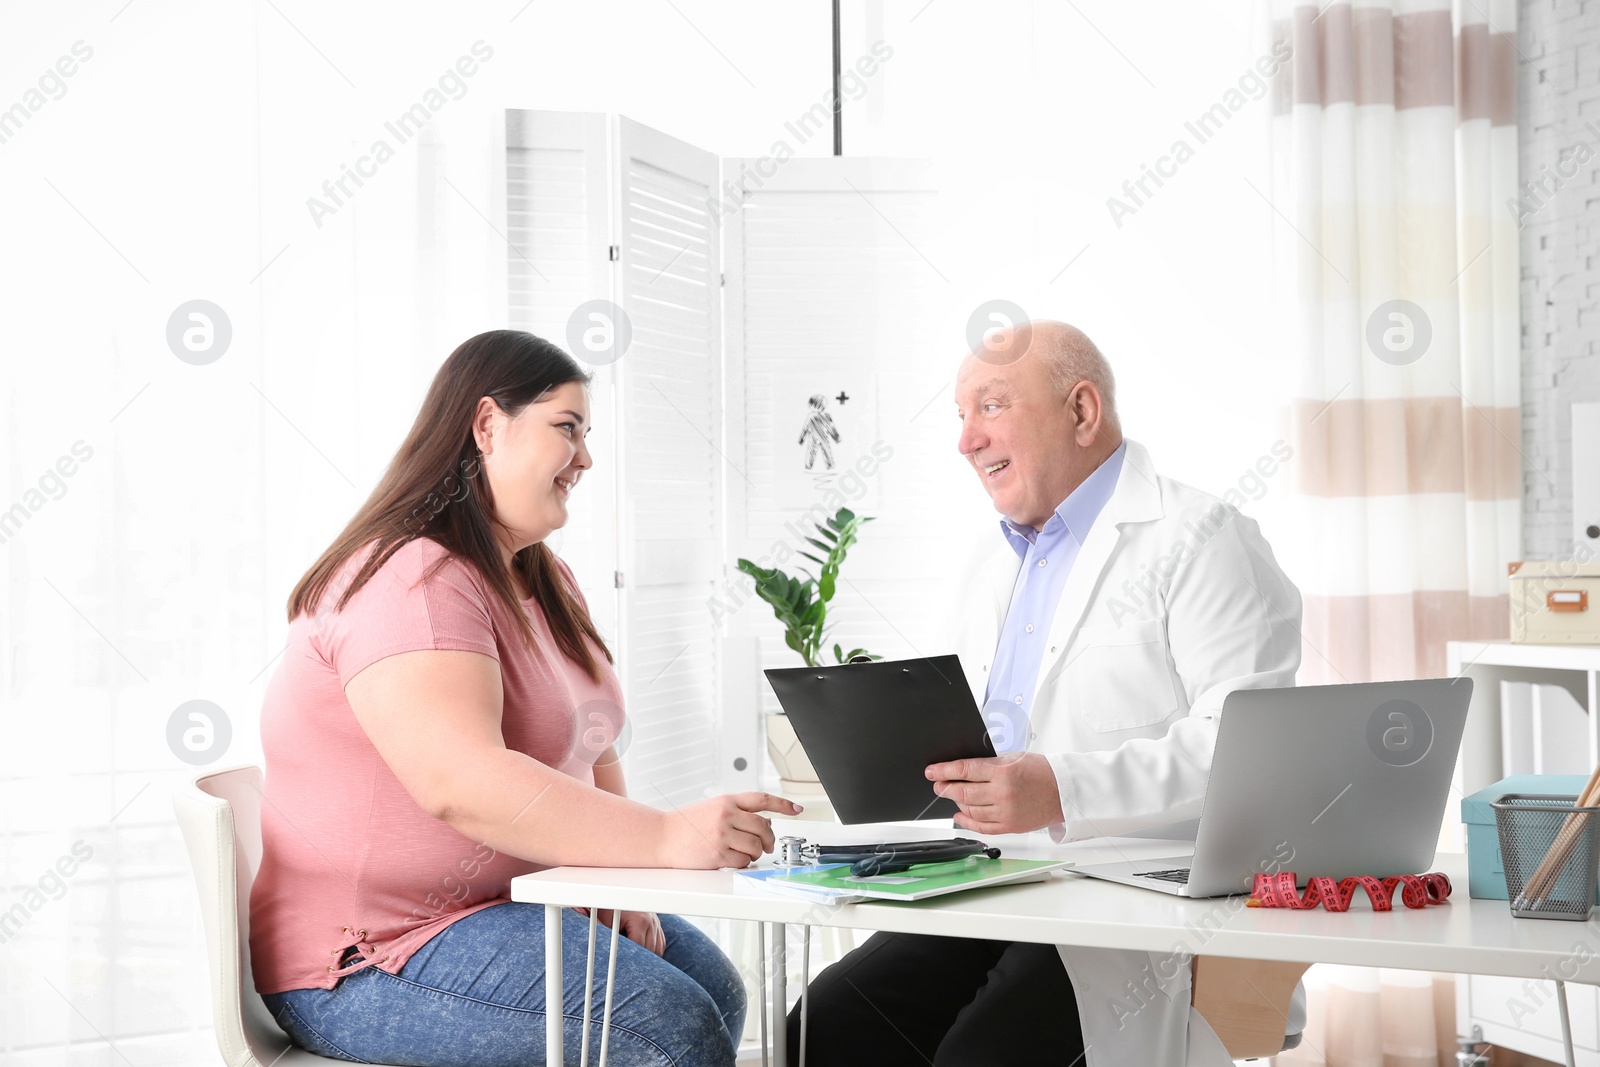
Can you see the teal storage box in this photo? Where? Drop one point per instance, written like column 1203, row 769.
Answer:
column 1486, row 876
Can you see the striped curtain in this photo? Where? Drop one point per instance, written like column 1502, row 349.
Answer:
column 1394, row 157
column 1394, row 172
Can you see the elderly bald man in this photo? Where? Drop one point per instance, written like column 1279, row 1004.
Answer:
column 1101, row 631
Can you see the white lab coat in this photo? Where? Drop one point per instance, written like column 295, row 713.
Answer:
column 1174, row 601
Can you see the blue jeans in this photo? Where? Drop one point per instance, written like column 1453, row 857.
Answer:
column 473, row 996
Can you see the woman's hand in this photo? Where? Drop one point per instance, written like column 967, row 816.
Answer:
column 644, row 928
column 725, row 831
column 641, row 927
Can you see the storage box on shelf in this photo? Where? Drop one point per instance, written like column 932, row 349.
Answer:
column 1485, row 870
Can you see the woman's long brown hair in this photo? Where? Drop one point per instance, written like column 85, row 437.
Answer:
column 436, row 488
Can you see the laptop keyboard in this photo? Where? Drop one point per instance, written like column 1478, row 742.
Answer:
column 1177, row 874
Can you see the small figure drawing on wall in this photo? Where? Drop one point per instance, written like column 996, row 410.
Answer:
column 820, row 432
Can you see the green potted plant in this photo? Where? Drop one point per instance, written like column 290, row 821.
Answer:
column 801, row 605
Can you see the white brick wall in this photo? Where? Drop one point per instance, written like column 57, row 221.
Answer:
column 1558, row 93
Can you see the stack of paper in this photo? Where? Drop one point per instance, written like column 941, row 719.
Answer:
column 832, row 883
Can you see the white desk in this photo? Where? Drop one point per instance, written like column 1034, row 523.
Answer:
column 1465, row 936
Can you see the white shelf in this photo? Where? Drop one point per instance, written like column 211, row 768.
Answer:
column 1513, row 1013
column 1463, row 654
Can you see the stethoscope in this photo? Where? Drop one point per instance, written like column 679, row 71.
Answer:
column 887, row 858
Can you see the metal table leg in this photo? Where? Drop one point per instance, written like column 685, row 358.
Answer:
column 554, row 1013
column 588, row 989
column 761, row 1004
column 611, row 984
column 805, row 986
column 780, row 995
column 1566, row 1024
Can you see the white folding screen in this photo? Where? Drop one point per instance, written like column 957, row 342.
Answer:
column 670, row 412
column 603, row 208
column 698, row 442
column 557, row 197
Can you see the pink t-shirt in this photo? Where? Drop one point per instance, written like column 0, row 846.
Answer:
column 348, row 857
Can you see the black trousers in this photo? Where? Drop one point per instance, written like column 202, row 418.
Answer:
column 947, row 1001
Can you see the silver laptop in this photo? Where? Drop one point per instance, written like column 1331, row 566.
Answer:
column 1329, row 779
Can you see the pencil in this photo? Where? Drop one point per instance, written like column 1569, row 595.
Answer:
column 1561, row 849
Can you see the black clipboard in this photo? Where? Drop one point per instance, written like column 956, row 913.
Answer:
column 870, row 729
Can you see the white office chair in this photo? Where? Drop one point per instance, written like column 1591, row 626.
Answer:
column 220, row 814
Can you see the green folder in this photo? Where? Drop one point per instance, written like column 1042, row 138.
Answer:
column 838, row 885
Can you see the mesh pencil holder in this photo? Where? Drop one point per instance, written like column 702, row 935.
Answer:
column 1549, row 849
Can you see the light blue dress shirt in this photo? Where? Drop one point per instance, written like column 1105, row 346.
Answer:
column 1047, row 558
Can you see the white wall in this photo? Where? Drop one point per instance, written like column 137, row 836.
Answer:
column 1037, row 114
column 1558, row 103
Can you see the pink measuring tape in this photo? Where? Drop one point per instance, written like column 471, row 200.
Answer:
column 1417, row 891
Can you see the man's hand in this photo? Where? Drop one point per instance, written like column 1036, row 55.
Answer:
column 1000, row 795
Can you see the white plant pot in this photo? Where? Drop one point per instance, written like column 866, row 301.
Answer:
column 787, row 754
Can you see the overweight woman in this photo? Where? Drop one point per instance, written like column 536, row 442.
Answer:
column 444, row 719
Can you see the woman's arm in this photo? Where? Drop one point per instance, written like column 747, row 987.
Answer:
column 643, row 927
column 434, row 717
column 608, row 772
